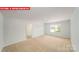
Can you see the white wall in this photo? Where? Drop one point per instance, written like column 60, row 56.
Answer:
column 64, row 29
column 14, row 30
column 38, row 29
column 1, row 32
column 75, row 30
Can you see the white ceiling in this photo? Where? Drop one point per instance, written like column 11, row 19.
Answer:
column 42, row 13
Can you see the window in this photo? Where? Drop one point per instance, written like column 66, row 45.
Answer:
column 54, row 28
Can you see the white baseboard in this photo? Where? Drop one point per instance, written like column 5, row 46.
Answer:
column 13, row 42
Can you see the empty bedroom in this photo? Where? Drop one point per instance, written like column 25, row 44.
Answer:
column 40, row 29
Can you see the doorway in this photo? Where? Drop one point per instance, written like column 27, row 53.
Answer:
column 29, row 30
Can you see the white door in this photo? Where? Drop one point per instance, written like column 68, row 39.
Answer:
column 29, row 30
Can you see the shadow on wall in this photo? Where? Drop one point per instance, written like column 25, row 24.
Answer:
column 1, row 32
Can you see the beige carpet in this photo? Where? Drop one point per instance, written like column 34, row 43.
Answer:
column 41, row 44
